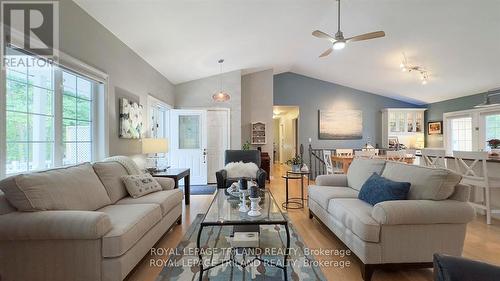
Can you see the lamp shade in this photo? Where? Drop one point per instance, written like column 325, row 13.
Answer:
column 150, row 146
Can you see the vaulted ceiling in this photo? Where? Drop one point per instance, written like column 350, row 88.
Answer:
column 457, row 41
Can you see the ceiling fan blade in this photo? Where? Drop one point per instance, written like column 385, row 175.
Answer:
column 326, row 53
column 366, row 36
column 321, row 34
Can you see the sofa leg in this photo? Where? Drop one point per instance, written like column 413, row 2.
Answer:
column 311, row 215
column 367, row 271
column 179, row 220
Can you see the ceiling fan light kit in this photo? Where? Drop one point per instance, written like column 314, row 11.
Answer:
column 221, row 96
column 339, row 42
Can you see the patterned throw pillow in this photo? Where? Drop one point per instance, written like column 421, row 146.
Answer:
column 140, row 185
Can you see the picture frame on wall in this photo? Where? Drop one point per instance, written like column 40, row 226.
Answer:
column 435, row 127
column 131, row 122
column 340, row 124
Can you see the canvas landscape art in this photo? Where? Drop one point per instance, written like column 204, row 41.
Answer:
column 340, row 124
column 131, row 125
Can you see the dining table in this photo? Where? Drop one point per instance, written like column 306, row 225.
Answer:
column 346, row 160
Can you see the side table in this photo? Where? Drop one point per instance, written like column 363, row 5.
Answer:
column 295, row 202
column 177, row 175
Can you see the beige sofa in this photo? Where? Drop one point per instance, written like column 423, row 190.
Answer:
column 78, row 223
column 404, row 233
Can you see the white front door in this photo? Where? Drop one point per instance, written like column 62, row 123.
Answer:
column 218, row 140
column 188, row 147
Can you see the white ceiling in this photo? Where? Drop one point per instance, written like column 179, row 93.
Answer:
column 458, row 41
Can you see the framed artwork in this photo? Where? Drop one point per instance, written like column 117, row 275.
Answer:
column 131, row 123
column 435, row 127
column 340, row 125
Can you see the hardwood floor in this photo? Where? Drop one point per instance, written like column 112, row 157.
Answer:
column 482, row 240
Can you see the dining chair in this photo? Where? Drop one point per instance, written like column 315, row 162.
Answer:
column 365, row 154
column 434, row 157
column 396, row 155
column 474, row 170
column 372, row 149
column 343, row 152
column 327, row 158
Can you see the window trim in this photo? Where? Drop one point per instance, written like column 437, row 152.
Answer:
column 100, row 110
column 153, row 101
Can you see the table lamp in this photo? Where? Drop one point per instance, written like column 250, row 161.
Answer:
column 154, row 146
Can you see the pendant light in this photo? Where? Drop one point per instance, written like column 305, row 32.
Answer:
column 221, row 96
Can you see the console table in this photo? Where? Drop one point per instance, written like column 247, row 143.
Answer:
column 177, row 174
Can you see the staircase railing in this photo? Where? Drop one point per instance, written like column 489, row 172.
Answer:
column 316, row 161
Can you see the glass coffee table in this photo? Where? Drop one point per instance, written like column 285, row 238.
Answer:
column 223, row 211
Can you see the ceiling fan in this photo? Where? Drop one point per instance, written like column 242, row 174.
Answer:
column 339, row 42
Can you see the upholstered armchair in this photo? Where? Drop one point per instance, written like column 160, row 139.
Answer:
column 245, row 156
column 449, row 268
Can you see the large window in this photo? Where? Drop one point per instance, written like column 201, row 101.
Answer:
column 160, row 125
column 29, row 118
column 49, row 114
column 492, row 125
column 77, row 118
column 461, row 133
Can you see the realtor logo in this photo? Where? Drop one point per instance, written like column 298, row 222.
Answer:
column 32, row 26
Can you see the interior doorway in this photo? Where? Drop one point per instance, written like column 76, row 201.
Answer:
column 286, row 132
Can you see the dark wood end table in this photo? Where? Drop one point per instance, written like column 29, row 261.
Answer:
column 177, row 174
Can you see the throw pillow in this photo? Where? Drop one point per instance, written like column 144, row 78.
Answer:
column 140, row 185
column 241, row 170
column 378, row 189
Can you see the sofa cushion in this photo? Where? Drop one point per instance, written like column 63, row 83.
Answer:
column 129, row 224
column 110, row 174
column 379, row 189
column 69, row 188
column 361, row 169
column 355, row 215
column 166, row 199
column 140, row 185
column 426, row 183
column 323, row 194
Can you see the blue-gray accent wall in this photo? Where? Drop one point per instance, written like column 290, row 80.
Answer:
column 435, row 113
column 311, row 95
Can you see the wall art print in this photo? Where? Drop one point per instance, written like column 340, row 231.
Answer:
column 340, row 124
column 131, row 125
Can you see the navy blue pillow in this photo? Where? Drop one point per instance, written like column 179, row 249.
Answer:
column 378, row 189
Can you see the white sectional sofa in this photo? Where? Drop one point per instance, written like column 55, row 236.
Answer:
column 79, row 224
column 403, row 233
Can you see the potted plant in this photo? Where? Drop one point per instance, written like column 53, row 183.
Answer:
column 246, row 146
column 295, row 163
column 494, row 144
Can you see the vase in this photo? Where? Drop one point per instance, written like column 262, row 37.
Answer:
column 296, row 168
column 495, row 152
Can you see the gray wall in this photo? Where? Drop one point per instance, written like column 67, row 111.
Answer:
column 257, row 105
column 198, row 94
column 83, row 38
column 435, row 113
column 311, row 95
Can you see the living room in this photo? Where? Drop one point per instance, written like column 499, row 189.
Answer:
column 249, row 140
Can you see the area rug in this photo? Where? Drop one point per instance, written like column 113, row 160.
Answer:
column 201, row 189
column 183, row 263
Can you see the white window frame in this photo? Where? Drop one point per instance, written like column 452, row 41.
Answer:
column 154, row 102
column 100, row 112
column 478, row 126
